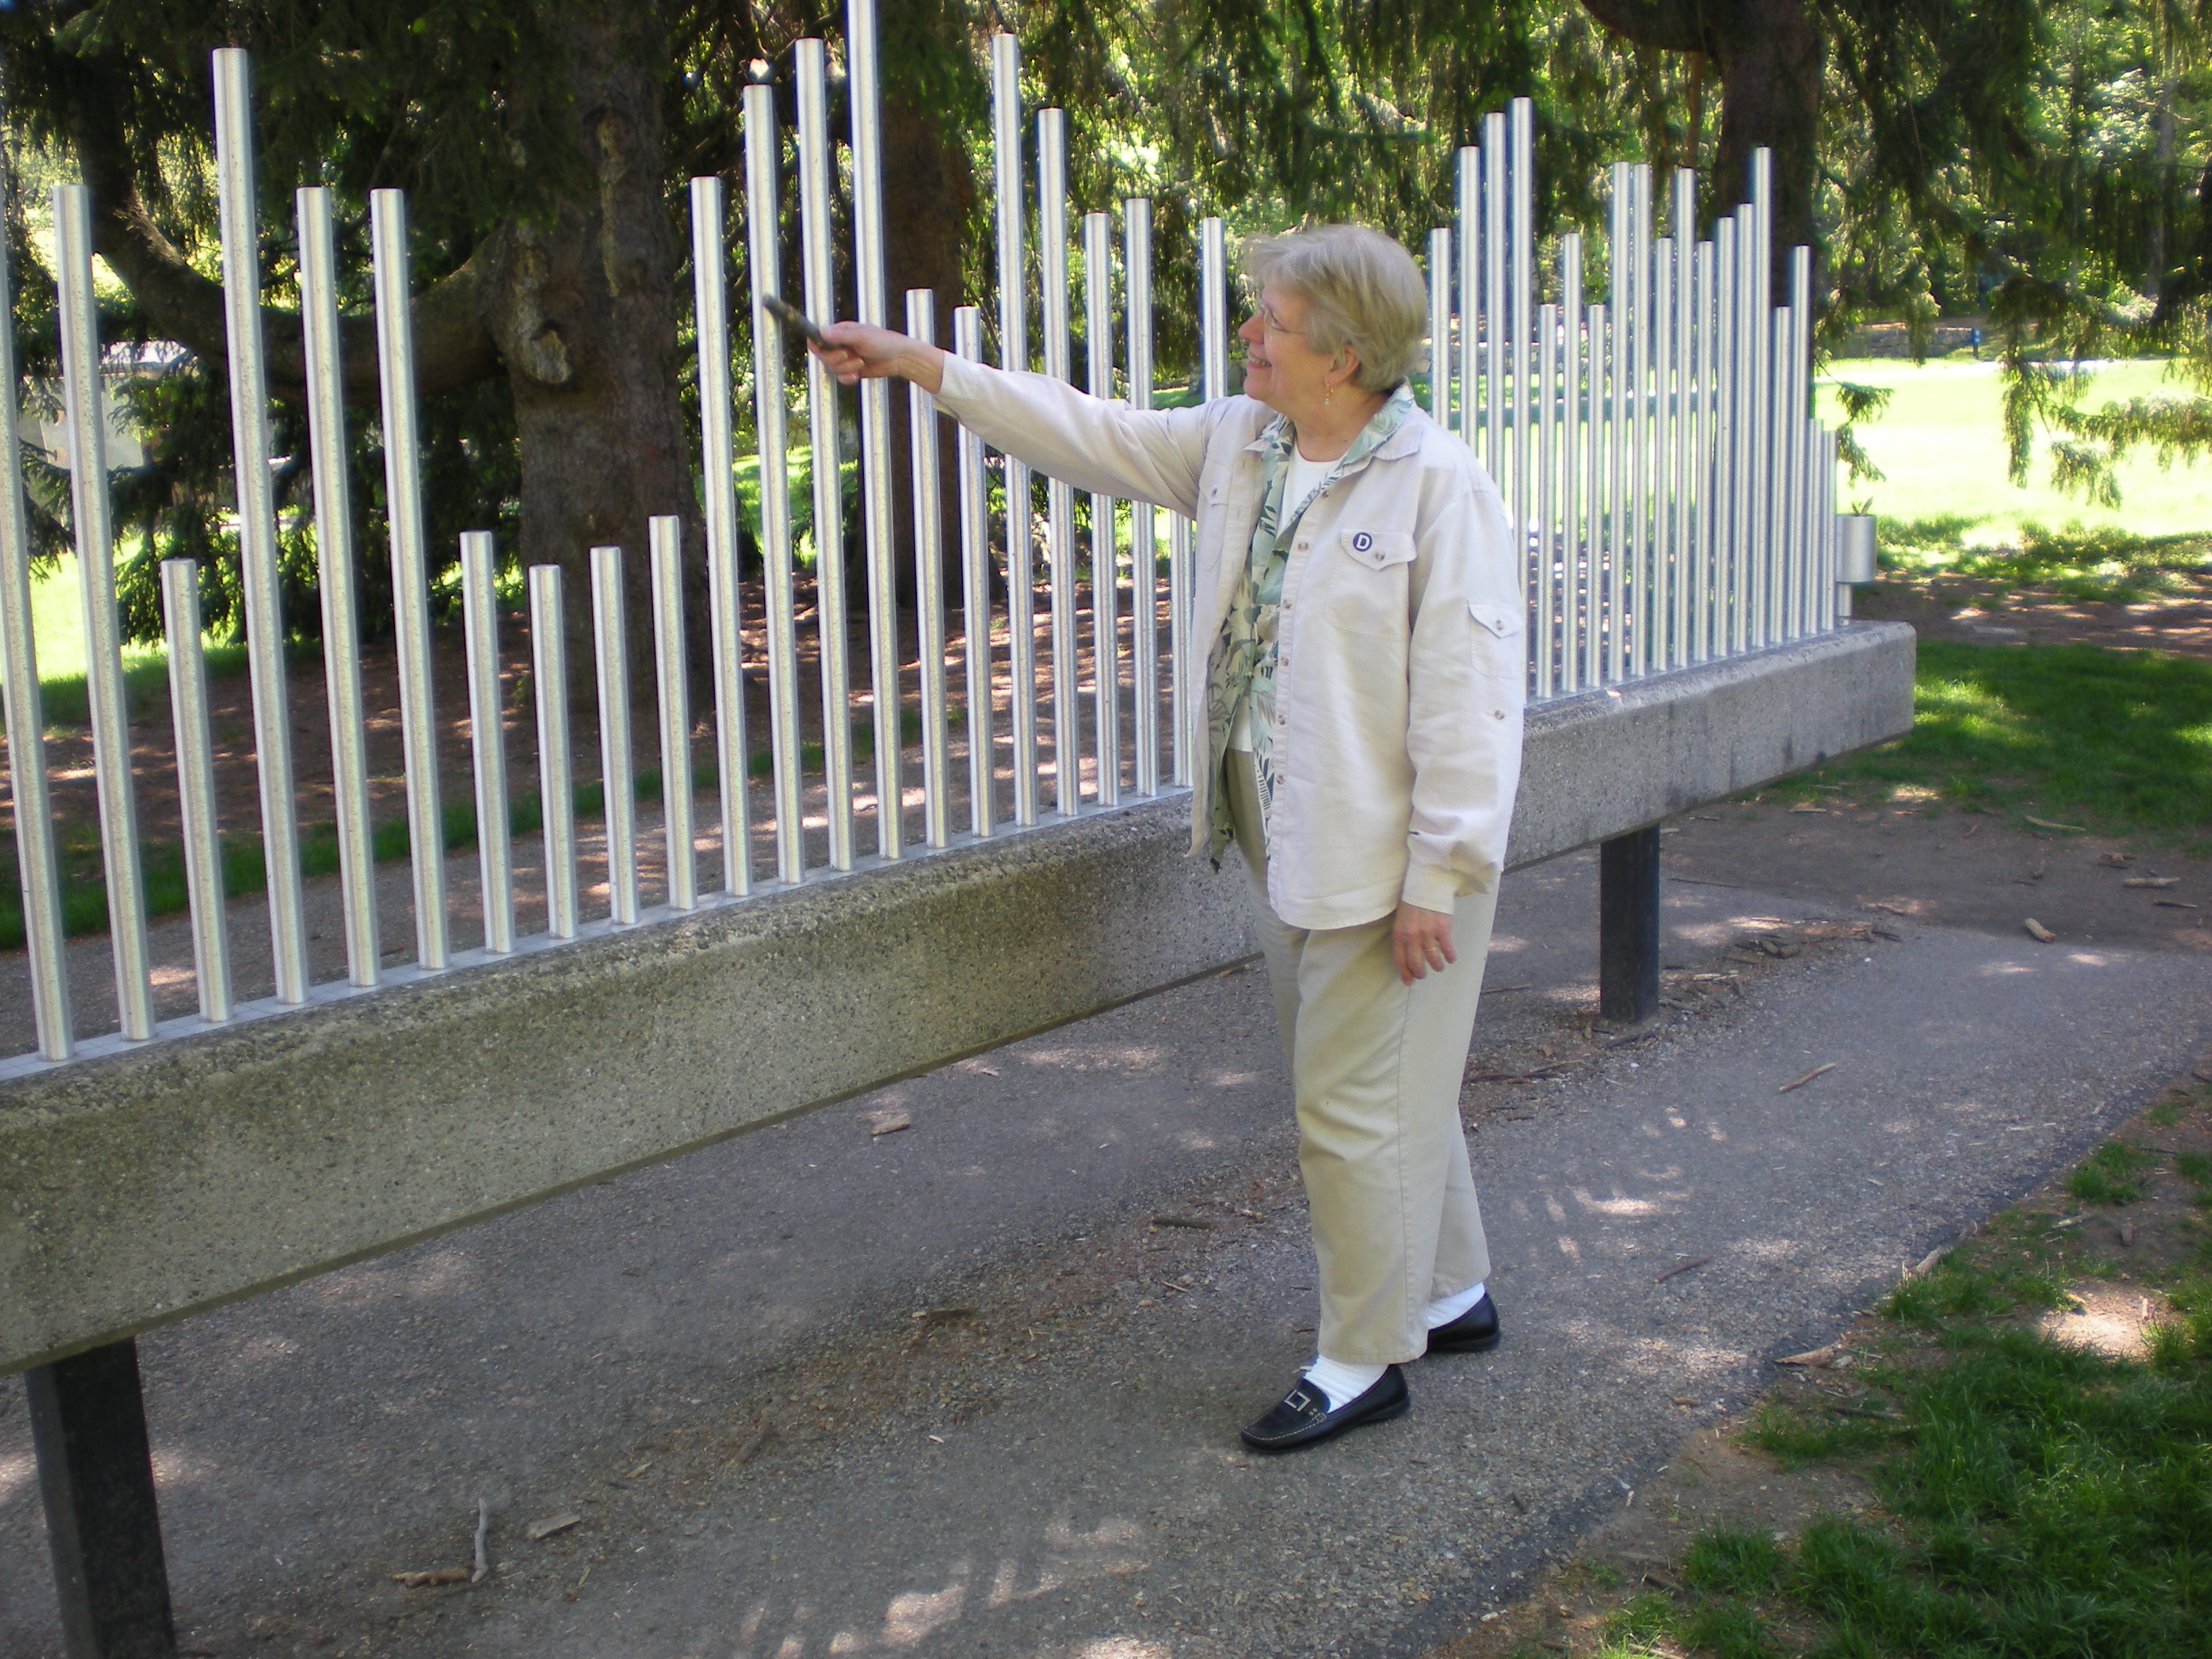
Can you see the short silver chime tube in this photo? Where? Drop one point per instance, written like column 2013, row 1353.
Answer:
column 1105, row 557
column 480, row 625
column 928, row 578
column 557, row 789
column 1144, row 522
column 617, row 785
column 671, row 671
column 975, row 593
column 188, row 709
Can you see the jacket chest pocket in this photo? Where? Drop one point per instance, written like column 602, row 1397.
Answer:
column 1368, row 573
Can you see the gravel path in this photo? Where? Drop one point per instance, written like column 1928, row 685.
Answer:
column 952, row 1391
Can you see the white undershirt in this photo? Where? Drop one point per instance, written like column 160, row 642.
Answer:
column 1300, row 477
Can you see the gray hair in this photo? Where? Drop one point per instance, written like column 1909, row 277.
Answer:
column 1363, row 289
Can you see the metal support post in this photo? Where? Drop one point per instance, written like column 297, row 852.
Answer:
column 103, row 1526
column 1628, row 926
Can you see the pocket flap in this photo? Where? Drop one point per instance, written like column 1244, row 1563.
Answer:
column 1378, row 549
column 1496, row 618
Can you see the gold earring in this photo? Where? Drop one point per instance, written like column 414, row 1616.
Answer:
column 1328, row 396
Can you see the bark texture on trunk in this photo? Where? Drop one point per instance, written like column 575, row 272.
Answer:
column 1769, row 54
column 582, row 307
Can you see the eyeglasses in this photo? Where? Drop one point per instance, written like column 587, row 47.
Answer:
column 1271, row 322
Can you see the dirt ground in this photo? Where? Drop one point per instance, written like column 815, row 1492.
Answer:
column 1982, row 612
column 1716, row 1479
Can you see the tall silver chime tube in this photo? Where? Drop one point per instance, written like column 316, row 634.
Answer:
column 1440, row 314
column 832, row 608
column 862, row 81
column 1060, row 495
column 1144, row 524
column 1546, row 555
column 764, row 258
column 237, row 212
column 710, row 299
column 1579, row 598
column 410, row 577
column 1105, row 559
column 1521, row 155
column 1014, row 354
column 188, row 708
column 975, row 593
column 36, row 866
column 928, row 578
column 1466, row 184
column 1494, row 320
column 83, row 399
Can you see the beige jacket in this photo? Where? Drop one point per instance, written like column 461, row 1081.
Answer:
column 1397, row 742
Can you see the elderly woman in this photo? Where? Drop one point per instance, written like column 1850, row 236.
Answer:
column 1359, row 597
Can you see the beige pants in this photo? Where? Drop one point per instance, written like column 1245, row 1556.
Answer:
column 1375, row 1068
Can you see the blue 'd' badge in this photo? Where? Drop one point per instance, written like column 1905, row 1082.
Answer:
column 1361, row 542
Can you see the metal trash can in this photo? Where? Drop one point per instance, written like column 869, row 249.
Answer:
column 1855, row 557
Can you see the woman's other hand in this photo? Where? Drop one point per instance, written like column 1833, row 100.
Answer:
column 858, row 351
column 1421, row 940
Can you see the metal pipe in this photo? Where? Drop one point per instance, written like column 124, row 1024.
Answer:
column 1604, row 573
column 1521, row 157
column 237, row 213
column 861, row 55
column 1682, row 528
column 831, row 614
column 1727, row 573
column 1547, row 435
column 1466, row 184
column 929, row 578
column 764, row 260
column 480, row 625
column 1014, row 354
column 188, row 712
column 1060, row 495
column 1666, row 559
column 410, row 581
column 1645, row 576
column 1213, row 309
column 618, row 788
column 1799, row 414
column 1704, row 453
column 710, row 308
column 1751, row 425
column 325, row 366
column 1825, row 482
column 1494, row 323
column 1105, row 558
column 1765, row 457
column 556, row 795
column 1144, row 524
column 975, row 591
column 1183, row 672
column 83, row 400
column 1574, row 549
column 1440, row 314
column 665, row 543
column 1619, row 522
column 32, row 800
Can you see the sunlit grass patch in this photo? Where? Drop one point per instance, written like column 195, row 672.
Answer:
column 2108, row 1175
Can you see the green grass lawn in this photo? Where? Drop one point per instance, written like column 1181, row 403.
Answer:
column 1939, row 443
column 2112, row 740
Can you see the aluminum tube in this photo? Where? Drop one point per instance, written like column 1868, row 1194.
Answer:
column 1727, row 636
column 928, row 578
column 28, row 786
column 1783, row 591
column 1494, row 323
column 1014, row 353
column 1466, row 180
column 1144, row 523
column 1666, row 565
column 410, row 584
column 1060, row 495
column 1704, row 413
column 1644, row 583
column 1799, row 414
column 1546, row 545
column 326, row 434
column 1764, row 458
column 831, row 613
column 710, row 309
column 557, row 789
column 188, row 712
column 237, row 213
column 665, row 541
column 1105, row 557
column 1680, row 524
column 1574, row 544
column 1213, row 309
column 1619, row 519
column 618, row 789
column 876, row 460
column 1598, row 618
column 487, row 738
column 1440, row 313
column 975, row 593
column 1183, row 674
column 1521, row 157
column 84, row 409
column 764, row 261
column 1825, row 485
column 1751, row 427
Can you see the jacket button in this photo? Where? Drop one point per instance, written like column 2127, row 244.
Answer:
column 1498, row 714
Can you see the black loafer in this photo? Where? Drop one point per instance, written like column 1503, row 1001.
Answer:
column 1471, row 1332
column 1302, row 1418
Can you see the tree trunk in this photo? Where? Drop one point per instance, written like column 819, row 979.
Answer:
column 583, row 309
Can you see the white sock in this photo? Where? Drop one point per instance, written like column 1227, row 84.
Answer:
column 1447, row 1309
column 1342, row 1381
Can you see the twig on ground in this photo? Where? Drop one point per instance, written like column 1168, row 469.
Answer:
column 1682, row 1267
column 484, row 1533
column 1799, row 1083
